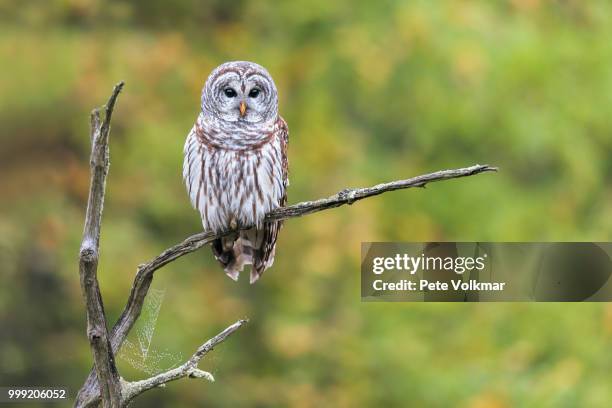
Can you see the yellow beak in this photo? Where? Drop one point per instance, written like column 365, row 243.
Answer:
column 242, row 108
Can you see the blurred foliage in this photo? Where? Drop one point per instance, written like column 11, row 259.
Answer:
column 372, row 91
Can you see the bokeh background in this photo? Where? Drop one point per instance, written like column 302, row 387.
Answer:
column 372, row 91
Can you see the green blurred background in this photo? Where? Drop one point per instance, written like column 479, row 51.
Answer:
column 372, row 91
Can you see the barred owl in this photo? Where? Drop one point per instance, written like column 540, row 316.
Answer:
column 235, row 165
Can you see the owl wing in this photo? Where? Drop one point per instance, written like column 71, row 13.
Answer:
column 264, row 255
column 283, row 135
column 194, row 167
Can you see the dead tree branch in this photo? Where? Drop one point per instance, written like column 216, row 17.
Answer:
column 89, row 395
column 97, row 332
column 188, row 369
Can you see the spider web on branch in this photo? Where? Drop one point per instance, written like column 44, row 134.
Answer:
column 138, row 353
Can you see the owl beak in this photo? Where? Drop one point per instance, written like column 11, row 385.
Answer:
column 242, row 109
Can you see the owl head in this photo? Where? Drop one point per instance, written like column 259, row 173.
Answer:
column 240, row 91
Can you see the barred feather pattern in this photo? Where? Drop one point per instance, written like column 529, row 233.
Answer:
column 235, row 173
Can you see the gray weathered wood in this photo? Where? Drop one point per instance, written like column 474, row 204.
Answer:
column 188, row 369
column 97, row 332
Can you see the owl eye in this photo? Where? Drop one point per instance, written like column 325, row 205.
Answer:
column 254, row 93
column 229, row 92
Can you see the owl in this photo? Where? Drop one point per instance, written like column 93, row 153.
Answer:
column 235, row 165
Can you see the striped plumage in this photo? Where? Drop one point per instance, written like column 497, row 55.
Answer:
column 235, row 165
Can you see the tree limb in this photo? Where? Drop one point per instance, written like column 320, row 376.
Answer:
column 89, row 394
column 188, row 369
column 97, row 332
column 349, row 196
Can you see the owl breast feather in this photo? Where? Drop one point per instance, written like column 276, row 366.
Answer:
column 233, row 187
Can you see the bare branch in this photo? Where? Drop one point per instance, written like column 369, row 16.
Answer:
column 349, row 196
column 188, row 369
column 89, row 393
column 97, row 332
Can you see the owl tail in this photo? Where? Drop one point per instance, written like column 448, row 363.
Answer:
column 236, row 250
